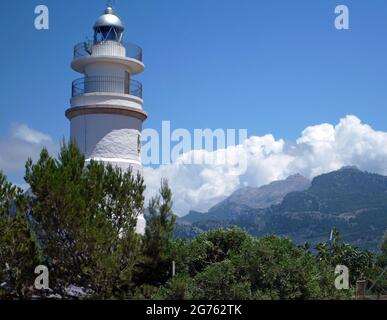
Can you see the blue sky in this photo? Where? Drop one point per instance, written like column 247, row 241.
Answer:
column 268, row 66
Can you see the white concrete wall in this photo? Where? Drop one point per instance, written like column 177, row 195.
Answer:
column 104, row 69
column 109, row 48
column 107, row 136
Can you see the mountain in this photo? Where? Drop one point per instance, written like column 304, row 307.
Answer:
column 247, row 199
column 353, row 201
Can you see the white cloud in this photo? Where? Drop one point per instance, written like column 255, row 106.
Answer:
column 24, row 133
column 319, row 149
column 22, row 143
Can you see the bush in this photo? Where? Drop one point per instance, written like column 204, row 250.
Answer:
column 219, row 281
column 178, row 288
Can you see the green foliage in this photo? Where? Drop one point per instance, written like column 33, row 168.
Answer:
column 144, row 292
column 360, row 263
column 382, row 258
column 213, row 246
column 8, row 195
column 178, row 288
column 230, row 264
column 160, row 225
column 86, row 215
column 19, row 252
column 155, row 267
column 380, row 273
column 220, row 281
column 277, row 268
column 352, row 200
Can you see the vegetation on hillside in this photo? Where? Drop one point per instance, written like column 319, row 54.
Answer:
column 354, row 201
column 79, row 220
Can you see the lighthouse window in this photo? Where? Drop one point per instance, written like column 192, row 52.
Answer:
column 107, row 33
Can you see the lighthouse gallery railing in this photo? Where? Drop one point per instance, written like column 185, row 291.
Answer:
column 107, row 84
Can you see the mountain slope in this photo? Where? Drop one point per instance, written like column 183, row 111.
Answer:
column 247, row 199
column 353, row 201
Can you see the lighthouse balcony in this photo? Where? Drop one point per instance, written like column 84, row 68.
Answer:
column 107, row 84
column 127, row 54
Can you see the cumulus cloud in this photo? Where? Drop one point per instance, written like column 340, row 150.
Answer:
column 319, row 149
column 20, row 144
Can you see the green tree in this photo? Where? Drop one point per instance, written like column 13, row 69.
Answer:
column 220, row 281
column 278, row 269
column 382, row 258
column 205, row 254
column 214, row 246
column 177, row 288
column 86, row 215
column 360, row 263
column 19, row 252
column 156, row 265
column 380, row 275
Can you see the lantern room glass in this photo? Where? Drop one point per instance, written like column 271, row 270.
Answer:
column 107, row 33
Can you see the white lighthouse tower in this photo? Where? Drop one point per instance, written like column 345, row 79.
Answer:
column 106, row 112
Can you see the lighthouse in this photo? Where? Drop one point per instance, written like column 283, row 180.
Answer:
column 106, row 108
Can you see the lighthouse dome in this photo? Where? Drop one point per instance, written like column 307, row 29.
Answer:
column 108, row 27
column 109, row 19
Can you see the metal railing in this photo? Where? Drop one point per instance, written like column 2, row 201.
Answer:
column 85, row 49
column 107, row 84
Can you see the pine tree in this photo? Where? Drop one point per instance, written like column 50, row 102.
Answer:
column 86, row 215
column 19, row 252
column 158, row 236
